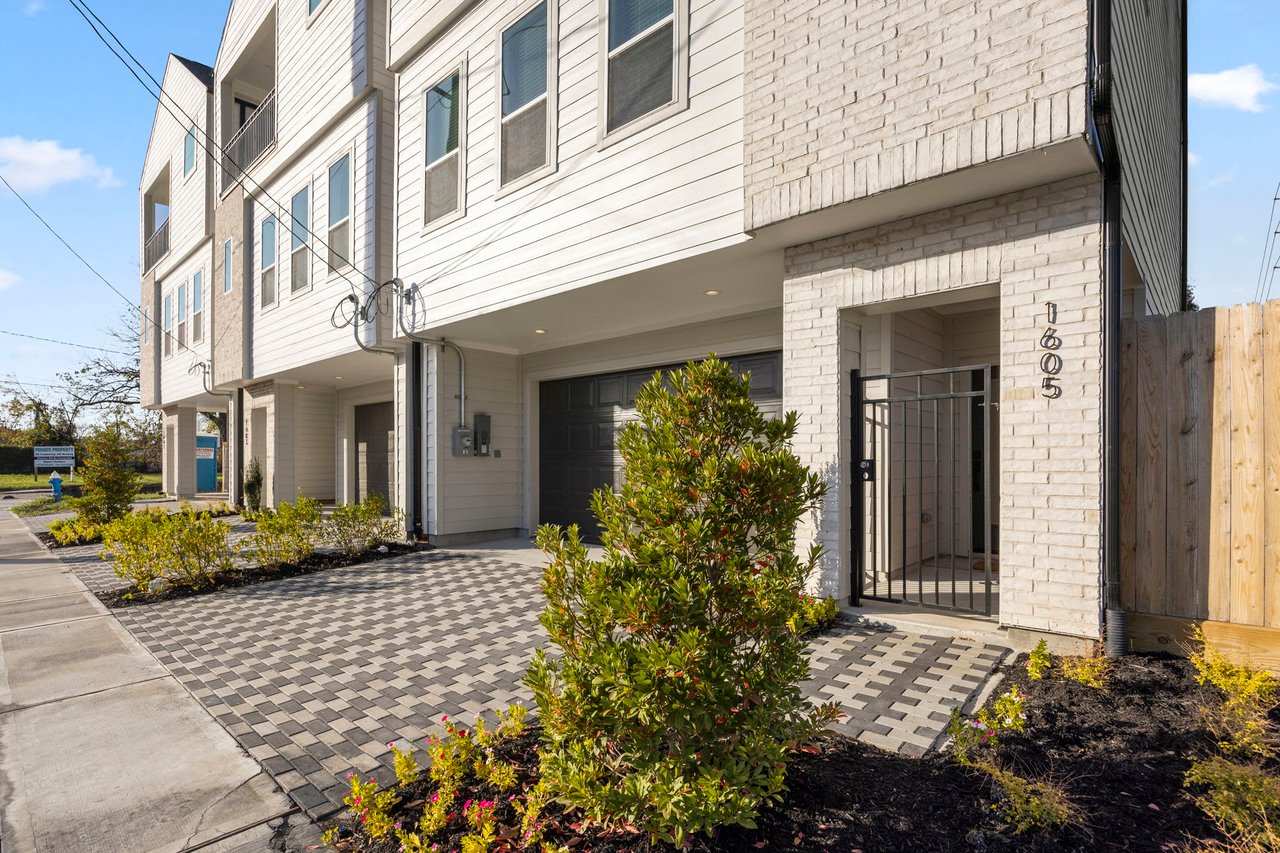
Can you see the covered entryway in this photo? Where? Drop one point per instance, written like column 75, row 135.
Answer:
column 924, row 496
column 375, row 438
column 578, row 422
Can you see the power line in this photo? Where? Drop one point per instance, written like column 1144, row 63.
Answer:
column 1267, row 245
column 160, row 96
column 63, row 343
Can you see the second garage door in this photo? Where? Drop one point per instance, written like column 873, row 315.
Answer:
column 579, row 420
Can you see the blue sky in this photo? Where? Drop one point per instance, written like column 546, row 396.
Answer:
column 63, row 90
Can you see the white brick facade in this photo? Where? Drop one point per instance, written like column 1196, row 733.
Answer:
column 1037, row 246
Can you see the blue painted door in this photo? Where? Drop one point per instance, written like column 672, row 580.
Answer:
column 206, row 463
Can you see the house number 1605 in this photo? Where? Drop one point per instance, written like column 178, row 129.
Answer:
column 1050, row 361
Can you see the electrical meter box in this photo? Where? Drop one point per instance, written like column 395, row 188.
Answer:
column 482, row 429
column 463, row 441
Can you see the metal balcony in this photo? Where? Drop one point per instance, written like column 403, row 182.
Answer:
column 156, row 247
column 255, row 137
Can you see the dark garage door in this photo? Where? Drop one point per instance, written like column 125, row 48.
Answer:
column 579, row 418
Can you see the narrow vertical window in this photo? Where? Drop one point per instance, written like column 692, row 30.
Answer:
column 189, row 152
column 267, row 279
column 340, row 213
column 444, row 167
column 197, row 306
column 168, row 324
column 182, row 315
column 299, row 263
column 312, row 5
column 226, row 267
column 525, row 51
column 641, row 63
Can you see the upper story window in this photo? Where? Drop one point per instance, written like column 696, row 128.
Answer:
column 312, row 5
column 527, row 137
column 197, row 306
column 182, row 315
column 443, row 182
column 645, row 63
column 267, row 276
column 189, row 152
column 299, row 266
column 340, row 213
column 168, row 324
column 226, row 267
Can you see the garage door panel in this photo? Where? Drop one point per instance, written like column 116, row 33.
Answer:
column 579, row 422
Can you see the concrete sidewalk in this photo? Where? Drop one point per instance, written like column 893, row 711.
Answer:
column 101, row 749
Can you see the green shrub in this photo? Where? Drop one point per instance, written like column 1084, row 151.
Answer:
column 814, row 614
column 676, row 706
column 253, row 484
column 287, row 535
column 1039, row 662
column 1241, row 798
column 76, row 531
column 108, row 485
column 180, row 549
column 1241, row 720
column 1028, row 805
column 1090, row 670
column 357, row 527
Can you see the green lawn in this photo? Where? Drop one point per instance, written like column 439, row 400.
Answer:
column 9, row 482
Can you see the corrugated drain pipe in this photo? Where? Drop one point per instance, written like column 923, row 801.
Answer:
column 1107, row 152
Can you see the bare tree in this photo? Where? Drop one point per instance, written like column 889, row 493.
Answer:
column 108, row 379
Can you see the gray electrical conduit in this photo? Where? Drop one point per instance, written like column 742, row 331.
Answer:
column 405, row 295
column 355, row 329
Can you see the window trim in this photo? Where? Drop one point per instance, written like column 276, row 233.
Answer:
column 460, row 66
column 197, row 287
column 228, row 255
column 182, row 324
column 312, row 14
column 680, row 103
column 195, row 155
column 551, row 97
column 275, row 263
column 305, row 248
column 167, row 329
column 337, row 272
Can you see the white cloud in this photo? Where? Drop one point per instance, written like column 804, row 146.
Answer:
column 1193, row 159
column 33, row 8
column 8, row 280
column 1238, row 88
column 37, row 164
column 1220, row 180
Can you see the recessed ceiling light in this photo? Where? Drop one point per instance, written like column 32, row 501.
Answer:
column 713, row 293
column 539, row 331
column 337, row 377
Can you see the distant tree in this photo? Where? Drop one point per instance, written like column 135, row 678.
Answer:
column 109, row 379
column 27, row 420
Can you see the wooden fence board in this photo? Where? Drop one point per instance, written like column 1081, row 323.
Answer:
column 1218, row 348
column 1183, row 589
column 1271, row 471
column 1151, row 497
column 1128, row 467
column 1247, row 448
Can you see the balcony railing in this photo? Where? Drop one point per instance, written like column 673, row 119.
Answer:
column 156, row 247
column 249, row 142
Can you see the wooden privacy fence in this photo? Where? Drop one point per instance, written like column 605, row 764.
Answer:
column 1200, row 478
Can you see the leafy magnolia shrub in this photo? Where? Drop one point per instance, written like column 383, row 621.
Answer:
column 287, row 535
column 676, row 705
column 108, row 483
column 357, row 527
column 253, row 484
column 181, row 549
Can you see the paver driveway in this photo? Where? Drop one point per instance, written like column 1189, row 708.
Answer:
column 315, row 674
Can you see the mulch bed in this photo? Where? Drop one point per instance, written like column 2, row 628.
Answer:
column 1120, row 753
column 318, row 562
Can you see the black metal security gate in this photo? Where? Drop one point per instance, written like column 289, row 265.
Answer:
column 924, row 532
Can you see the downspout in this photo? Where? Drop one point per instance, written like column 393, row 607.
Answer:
column 415, row 436
column 1106, row 151
column 239, row 451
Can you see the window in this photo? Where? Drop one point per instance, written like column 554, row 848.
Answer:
column 312, row 5
column 182, row 315
column 340, row 213
column 299, row 264
column 168, row 324
column 197, row 306
column 641, row 59
column 526, row 139
column 444, row 160
column 244, row 111
column 189, row 152
column 226, row 267
column 267, row 280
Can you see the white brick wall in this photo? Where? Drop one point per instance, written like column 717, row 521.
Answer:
column 1038, row 245
column 844, row 100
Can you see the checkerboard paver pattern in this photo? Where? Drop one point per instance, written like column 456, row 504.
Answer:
column 314, row 675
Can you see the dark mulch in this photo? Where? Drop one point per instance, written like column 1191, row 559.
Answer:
column 1121, row 753
column 318, row 562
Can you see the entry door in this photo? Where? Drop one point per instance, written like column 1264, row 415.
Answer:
column 578, row 423
column 375, row 438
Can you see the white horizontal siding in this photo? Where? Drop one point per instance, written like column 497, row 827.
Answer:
column 176, row 382
column 673, row 189
column 296, row 330
column 316, row 442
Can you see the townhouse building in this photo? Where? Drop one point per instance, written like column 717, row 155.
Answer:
column 917, row 223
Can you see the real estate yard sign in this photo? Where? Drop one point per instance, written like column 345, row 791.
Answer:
column 57, row 458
